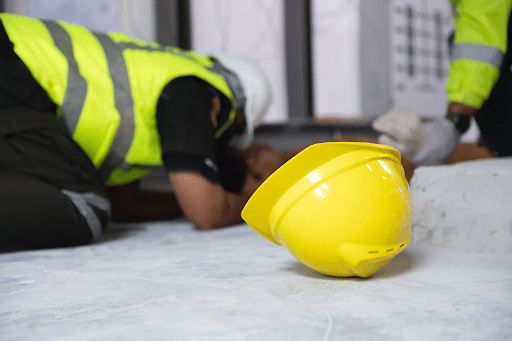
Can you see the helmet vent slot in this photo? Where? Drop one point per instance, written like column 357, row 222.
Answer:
column 388, row 250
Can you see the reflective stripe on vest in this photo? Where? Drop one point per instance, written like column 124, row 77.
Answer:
column 481, row 53
column 84, row 203
column 236, row 89
column 76, row 91
column 124, row 105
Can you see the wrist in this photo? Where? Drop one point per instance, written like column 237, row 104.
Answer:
column 460, row 115
column 461, row 122
column 461, row 109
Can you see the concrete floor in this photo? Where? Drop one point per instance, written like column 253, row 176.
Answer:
column 168, row 281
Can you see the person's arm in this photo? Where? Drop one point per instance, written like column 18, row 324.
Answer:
column 208, row 205
column 480, row 42
column 205, row 182
column 130, row 204
column 430, row 143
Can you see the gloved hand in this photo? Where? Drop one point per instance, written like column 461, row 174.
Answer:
column 431, row 143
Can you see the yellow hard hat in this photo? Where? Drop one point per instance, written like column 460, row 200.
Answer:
column 341, row 208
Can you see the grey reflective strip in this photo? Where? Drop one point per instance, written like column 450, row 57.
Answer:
column 158, row 48
column 76, row 90
column 97, row 201
column 133, row 46
column 126, row 167
column 83, row 203
column 124, row 105
column 234, row 83
column 481, row 53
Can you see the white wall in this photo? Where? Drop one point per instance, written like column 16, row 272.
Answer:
column 335, row 54
column 133, row 17
column 254, row 28
column 337, row 44
column 423, row 89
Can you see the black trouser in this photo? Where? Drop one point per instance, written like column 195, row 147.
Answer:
column 50, row 194
column 495, row 117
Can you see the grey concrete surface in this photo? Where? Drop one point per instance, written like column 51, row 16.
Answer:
column 465, row 205
column 168, row 281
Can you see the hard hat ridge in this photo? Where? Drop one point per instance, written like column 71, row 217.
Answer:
column 343, row 209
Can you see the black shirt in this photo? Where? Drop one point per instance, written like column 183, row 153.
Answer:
column 187, row 135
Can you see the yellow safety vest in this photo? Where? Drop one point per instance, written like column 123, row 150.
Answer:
column 480, row 43
column 107, row 87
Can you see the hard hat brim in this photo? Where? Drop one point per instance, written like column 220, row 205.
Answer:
column 258, row 208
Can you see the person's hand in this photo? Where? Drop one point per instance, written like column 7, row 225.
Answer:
column 443, row 139
column 402, row 129
column 431, row 143
column 262, row 161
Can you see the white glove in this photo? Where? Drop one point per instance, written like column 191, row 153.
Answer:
column 402, row 128
column 424, row 144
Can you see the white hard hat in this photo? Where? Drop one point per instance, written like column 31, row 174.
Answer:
column 251, row 90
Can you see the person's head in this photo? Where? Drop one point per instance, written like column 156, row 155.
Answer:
column 252, row 93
